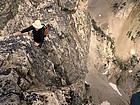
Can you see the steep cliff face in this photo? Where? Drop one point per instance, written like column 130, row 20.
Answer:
column 115, row 51
column 55, row 73
column 79, row 48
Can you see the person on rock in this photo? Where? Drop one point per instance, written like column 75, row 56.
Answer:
column 38, row 32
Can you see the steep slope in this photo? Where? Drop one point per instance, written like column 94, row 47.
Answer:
column 100, row 67
column 118, row 19
column 114, row 55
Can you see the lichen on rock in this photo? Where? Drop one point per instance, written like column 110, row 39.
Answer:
column 54, row 73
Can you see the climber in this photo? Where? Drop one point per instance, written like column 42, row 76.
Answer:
column 38, row 32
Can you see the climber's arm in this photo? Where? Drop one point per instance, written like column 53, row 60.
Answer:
column 27, row 29
column 24, row 30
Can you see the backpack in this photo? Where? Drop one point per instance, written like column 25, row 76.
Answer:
column 46, row 30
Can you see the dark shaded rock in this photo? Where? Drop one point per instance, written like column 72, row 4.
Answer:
column 68, row 5
column 5, row 72
column 9, row 90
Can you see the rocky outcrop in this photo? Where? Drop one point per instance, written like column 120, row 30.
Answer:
column 55, row 73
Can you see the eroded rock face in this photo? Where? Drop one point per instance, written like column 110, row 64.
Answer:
column 57, row 70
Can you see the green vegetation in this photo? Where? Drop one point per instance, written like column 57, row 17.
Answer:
column 126, row 64
column 103, row 36
column 98, row 29
column 119, row 62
